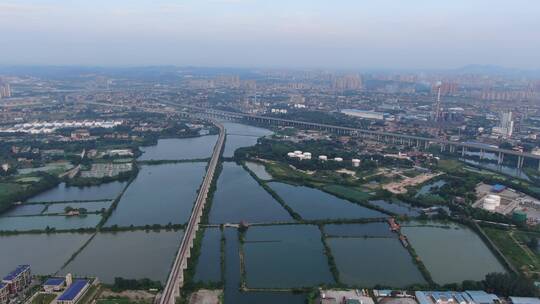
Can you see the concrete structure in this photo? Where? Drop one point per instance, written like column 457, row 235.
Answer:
column 506, row 127
column 364, row 114
column 491, row 202
column 176, row 276
column 353, row 296
column 443, row 297
column 54, row 284
column 482, row 297
column 18, row 279
column 4, row 293
column 74, row 292
column 5, row 90
column 524, row 300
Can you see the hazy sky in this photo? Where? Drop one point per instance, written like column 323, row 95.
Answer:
column 272, row 33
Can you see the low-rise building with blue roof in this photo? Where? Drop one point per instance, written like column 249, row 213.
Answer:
column 54, row 284
column 74, row 292
column 524, row 300
column 482, row 297
column 18, row 279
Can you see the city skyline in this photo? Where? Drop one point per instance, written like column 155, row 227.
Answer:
column 304, row 34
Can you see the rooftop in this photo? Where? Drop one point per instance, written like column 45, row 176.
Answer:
column 15, row 273
column 482, row 297
column 524, row 300
column 73, row 291
column 54, row 281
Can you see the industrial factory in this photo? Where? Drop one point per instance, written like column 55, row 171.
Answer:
column 501, row 199
column 308, row 156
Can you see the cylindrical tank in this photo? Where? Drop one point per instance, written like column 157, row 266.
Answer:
column 338, row 159
column 519, row 216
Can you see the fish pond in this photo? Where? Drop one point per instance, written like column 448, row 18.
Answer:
column 239, row 197
column 208, row 267
column 451, row 252
column 42, row 222
column 160, row 194
column 63, row 193
column 259, row 170
column 46, row 253
column 232, row 293
column 285, row 256
column 313, row 204
column 180, row 148
column 130, row 255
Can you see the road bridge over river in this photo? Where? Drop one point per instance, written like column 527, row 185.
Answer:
column 176, row 276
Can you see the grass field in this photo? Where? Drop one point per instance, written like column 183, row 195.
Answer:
column 450, row 164
column 516, row 253
column 8, row 191
column 43, row 298
column 119, row 301
column 347, row 192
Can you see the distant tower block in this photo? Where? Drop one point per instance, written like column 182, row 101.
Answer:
column 437, row 114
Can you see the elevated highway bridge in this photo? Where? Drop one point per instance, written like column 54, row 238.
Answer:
column 381, row 136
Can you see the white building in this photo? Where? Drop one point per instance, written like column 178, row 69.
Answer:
column 491, row 202
column 506, row 127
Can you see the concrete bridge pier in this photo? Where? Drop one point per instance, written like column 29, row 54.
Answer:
column 463, row 150
column 500, row 158
column 520, row 162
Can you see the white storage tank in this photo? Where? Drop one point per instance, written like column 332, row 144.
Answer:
column 291, row 155
column 338, row 159
column 307, row 155
column 491, row 202
column 355, row 162
column 323, row 157
column 298, row 153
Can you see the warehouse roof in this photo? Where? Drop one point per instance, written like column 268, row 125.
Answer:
column 73, row 291
column 482, row 297
column 524, row 300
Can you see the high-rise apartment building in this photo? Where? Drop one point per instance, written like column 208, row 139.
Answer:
column 506, row 127
column 5, row 89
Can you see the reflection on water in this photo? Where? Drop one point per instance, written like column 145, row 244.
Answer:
column 315, row 204
column 437, row 243
column 130, row 255
column 240, row 198
column 240, row 135
column 232, row 279
column 46, row 253
column 511, row 171
column 180, row 148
